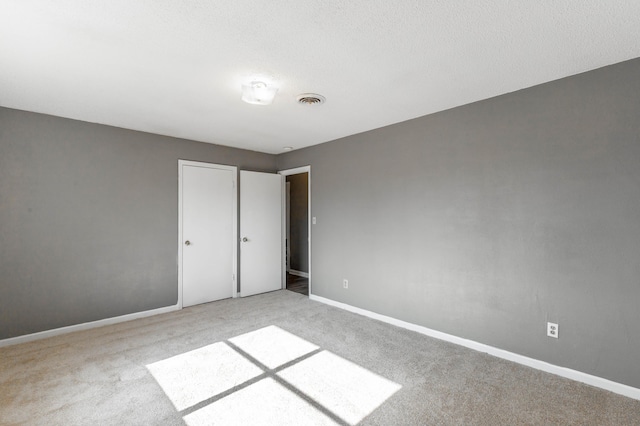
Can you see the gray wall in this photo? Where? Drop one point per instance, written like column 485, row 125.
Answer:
column 299, row 221
column 488, row 220
column 88, row 219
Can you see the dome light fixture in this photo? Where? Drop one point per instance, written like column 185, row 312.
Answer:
column 258, row 93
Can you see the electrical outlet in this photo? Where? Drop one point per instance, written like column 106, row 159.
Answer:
column 552, row 330
column 345, row 283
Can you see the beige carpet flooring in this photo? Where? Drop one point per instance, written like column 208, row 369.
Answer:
column 278, row 359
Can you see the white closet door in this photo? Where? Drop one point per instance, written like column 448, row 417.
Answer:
column 208, row 234
column 260, row 232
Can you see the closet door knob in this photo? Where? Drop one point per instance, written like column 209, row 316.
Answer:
column 187, row 243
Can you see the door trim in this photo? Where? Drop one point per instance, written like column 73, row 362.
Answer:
column 234, row 225
column 288, row 172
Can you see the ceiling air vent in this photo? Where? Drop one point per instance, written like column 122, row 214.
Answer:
column 310, row 99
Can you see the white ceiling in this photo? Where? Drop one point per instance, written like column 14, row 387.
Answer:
column 175, row 67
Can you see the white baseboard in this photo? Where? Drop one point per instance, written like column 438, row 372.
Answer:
column 299, row 273
column 85, row 326
column 568, row 373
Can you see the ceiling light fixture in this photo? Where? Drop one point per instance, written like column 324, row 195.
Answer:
column 288, row 148
column 258, row 93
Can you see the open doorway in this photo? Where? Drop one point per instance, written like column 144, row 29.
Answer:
column 297, row 238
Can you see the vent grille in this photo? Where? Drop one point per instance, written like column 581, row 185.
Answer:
column 310, row 99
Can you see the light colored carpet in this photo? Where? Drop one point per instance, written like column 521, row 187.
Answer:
column 280, row 358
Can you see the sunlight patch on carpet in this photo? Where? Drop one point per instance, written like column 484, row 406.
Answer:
column 273, row 346
column 272, row 377
column 263, row 403
column 349, row 391
column 197, row 375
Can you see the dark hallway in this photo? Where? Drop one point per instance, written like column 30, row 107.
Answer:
column 298, row 284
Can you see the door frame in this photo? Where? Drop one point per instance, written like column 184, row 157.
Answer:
column 234, row 224
column 285, row 173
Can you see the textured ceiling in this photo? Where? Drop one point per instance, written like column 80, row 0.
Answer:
column 175, row 67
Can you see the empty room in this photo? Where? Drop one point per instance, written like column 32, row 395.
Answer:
column 319, row 212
